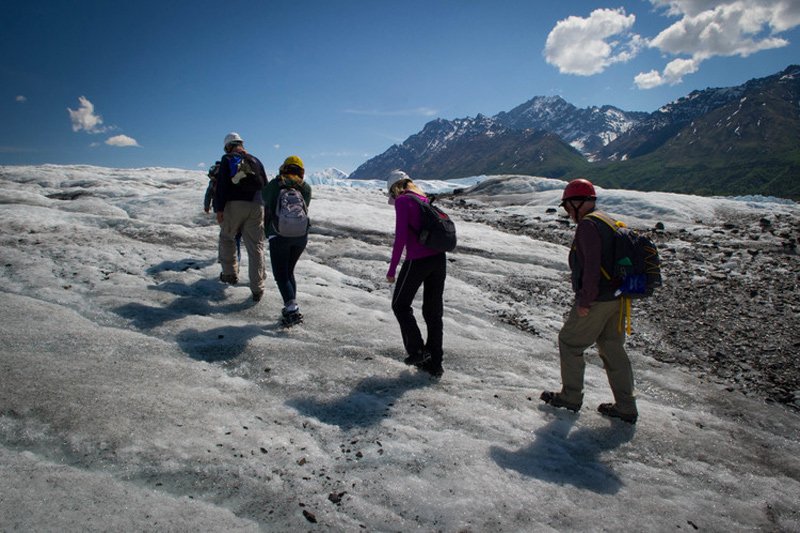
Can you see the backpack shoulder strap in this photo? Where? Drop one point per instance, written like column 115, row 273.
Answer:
column 607, row 240
column 610, row 222
column 422, row 205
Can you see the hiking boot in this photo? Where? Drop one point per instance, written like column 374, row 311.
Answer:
column 231, row 279
column 610, row 410
column 434, row 369
column 554, row 399
column 290, row 318
column 290, row 310
column 417, row 359
column 257, row 296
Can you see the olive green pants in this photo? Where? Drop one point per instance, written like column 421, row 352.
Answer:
column 577, row 334
column 247, row 218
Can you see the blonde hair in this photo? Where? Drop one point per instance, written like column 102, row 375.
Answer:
column 406, row 184
column 293, row 178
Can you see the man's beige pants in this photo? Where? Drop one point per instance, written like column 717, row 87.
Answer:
column 247, row 217
column 577, row 334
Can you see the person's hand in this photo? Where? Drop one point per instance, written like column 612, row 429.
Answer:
column 390, row 279
column 219, row 217
column 583, row 311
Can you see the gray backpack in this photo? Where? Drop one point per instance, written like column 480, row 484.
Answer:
column 291, row 214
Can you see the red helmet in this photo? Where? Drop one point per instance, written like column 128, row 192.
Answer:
column 579, row 189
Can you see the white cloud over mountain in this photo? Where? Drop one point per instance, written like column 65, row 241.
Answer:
column 586, row 46
column 704, row 29
column 710, row 29
column 673, row 74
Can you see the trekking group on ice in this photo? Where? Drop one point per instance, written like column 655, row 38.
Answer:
column 609, row 264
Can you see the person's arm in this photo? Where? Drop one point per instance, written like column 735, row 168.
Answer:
column 223, row 182
column 401, row 234
column 207, row 198
column 269, row 195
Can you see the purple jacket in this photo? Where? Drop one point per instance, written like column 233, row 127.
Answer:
column 408, row 219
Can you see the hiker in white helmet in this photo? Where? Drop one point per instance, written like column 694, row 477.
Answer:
column 239, row 208
column 422, row 267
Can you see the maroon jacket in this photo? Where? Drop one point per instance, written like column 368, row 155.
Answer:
column 592, row 248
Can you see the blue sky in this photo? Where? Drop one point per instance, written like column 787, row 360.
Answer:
column 138, row 84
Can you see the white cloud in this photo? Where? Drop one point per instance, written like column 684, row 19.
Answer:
column 711, row 28
column 685, row 7
column 276, row 146
column 122, row 141
column 414, row 112
column 672, row 75
column 586, row 46
column 648, row 80
column 12, row 150
column 336, row 154
column 84, row 118
column 21, row 99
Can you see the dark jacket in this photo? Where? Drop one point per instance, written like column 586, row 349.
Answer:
column 227, row 191
column 592, row 252
column 270, row 196
column 208, row 200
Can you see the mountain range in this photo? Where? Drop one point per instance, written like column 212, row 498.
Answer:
column 718, row 141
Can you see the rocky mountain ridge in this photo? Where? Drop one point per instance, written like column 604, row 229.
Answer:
column 587, row 130
column 728, row 141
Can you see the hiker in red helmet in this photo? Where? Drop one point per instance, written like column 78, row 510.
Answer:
column 594, row 317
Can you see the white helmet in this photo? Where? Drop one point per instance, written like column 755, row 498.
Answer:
column 232, row 137
column 394, row 177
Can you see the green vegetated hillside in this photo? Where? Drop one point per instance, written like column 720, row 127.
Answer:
column 749, row 146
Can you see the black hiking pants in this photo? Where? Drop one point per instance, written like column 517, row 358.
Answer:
column 430, row 273
column 284, row 252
